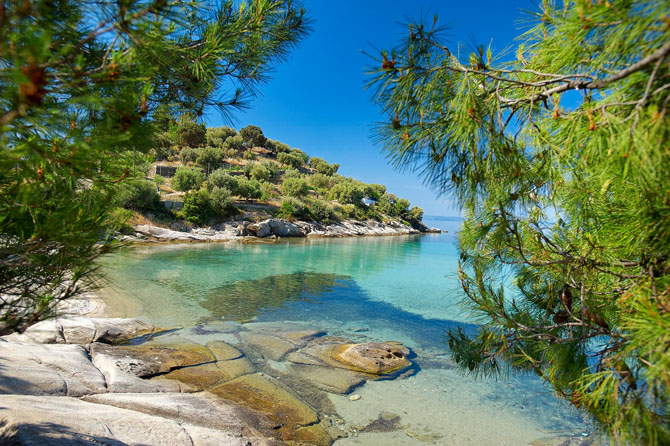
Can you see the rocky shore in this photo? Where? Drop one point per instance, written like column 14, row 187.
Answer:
column 271, row 229
column 82, row 380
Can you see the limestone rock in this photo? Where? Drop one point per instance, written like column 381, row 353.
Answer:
column 48, row 369
column 268, row 396
column 375, row 358
column 200, row 409
column 333, row 380
column 227, row 363
column 284, row 228
column 276, row 344
column 55, row 421
column 261, row 229
column 83, row 330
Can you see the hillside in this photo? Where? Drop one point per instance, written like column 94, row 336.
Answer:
column 198, row 176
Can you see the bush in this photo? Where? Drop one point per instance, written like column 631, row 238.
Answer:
column 322, row 211
column 234, row 142
column 222, row 201
column 375, row 191
column 325, row 169
column 291, row 174
column 137, row 195
column 209, row 157
column 300, row 154
column 347, row 192
column 198, row 207
column 401, row 207
column 217, row 135
column 294, row 187
column 293, row 208
column 260, row 173
column 272, row 167
column 188, row 155
column 351, row 211
column 268, row 191
column 276, row 147
column 186, row 179
column 290, row 159
column 191, row 134
column 253, row 136
column 222, row 179
column 319, row 181
column 248, row 189
column 249, row 155
column 228, row 152
column 415, row 215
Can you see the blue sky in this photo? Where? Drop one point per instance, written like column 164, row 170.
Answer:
column 316, row 100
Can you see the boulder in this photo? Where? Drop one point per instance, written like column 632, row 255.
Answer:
column 83, row 330
column 374, row 358
column 48, row 369
column 333, row 380
column 261, row 229
column 284, row 228
column 55, row 421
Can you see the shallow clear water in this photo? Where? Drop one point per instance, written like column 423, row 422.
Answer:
column 400, row 288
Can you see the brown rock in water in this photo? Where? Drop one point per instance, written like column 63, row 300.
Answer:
column 275, row 345
column 375, row 358
column 333, row 380
column 295, row 420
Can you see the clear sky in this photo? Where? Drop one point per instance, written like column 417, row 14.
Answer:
column 316, row 100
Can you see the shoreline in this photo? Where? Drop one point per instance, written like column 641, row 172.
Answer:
column 271, row 229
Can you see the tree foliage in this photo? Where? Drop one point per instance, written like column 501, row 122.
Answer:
column 222, row 179
column 186, row 179
column 191, row 134
column 79, row 84
column 560, row 160
column 253, row 136
column 294, row 187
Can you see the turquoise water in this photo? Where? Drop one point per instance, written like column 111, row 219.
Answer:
column 401, row 288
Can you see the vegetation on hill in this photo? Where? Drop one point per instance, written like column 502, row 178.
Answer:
column 560, row 160
column 85, row 88
column 245, row 166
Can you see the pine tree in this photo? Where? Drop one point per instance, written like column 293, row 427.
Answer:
column 79, row 84
column 559, row 156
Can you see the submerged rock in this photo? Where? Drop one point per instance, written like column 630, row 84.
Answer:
column 374, row 358
column 295, row 420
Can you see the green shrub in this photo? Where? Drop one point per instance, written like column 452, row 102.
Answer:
column 188, row 155
column 291, row 174
column 277, row 147
column 375, row 191
column 415, row 215
column 319, row 181
column 217, row 135
column 234, row 142
column 249, row 155
column 272, row 167
column 248, row 189
column 229, row 152
column 136, row 194
column 322, row 211
column 325, row 169
column 300, row 154
column 290, row 159
column 347, row 192
column 293, row 208
column 186, row 179
column 222, row 179
column 253, row 136
column 198, row 207
column 260, row 173
column 268, row 191
column 222, row 201
column 294, row 187
column 351, row 211
column 209, row 157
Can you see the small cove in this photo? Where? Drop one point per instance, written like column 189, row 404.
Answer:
column 372, row 289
